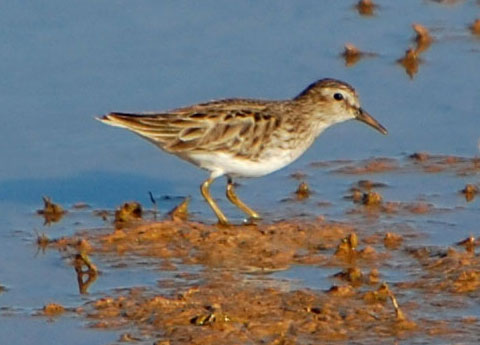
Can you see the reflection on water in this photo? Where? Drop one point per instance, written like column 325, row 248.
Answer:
column 86, row 277
column 51, row 212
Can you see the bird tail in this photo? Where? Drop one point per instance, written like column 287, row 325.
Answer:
column 124, row 120
column 154, row 127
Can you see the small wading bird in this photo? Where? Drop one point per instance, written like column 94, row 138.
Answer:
column 246, row 137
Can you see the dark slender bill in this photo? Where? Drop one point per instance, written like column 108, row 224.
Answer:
column 365, row 117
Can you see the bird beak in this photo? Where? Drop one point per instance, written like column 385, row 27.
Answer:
column 369, row 120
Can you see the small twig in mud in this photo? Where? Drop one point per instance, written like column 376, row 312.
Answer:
column 155, row 207
column 398, row 312
column 81, row 260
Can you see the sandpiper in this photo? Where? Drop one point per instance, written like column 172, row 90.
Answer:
column 246, row 137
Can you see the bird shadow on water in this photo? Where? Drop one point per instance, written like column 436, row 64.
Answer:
column 103, row 188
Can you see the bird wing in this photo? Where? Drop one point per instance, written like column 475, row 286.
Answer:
column 236, row 126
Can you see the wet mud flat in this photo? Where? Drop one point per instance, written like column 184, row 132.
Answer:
column 383, row 284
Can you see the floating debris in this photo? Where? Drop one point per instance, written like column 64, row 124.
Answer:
column 419, row 156
column 214, row 315
column 80, row 261
column 371, row 199
column 347, row 247
column 379, row 295
column 422, row 39
column 366, row 7
column 303, row 191
column 368, row 166
column 208, row 319
column 367, row 184
column 410, row 61
column 53, row 309
column 356, row 196
column 467, row 281
column 468, row 243
column 72, row 244
column 351, row 54
column 470, row 191
column 129, row 211
column 298, row 175
column 398, row 312
column 392, row 241
column 418, row 207
column 81, row 206
column 374, row 277
column 352, row 275
column 162, row 342
column 180, row 212
column 366, row 198
column 51, row 212
column 341, row 291
column 50, row 207
column 128, row 338
column 42, row 241
column 475, row 27
column 102, row 214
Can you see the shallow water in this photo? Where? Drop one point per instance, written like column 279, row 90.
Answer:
column 64, row 63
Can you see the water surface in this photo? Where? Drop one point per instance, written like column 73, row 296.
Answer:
column 63, row 63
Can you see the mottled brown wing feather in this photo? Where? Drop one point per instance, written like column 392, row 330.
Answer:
column 234, row 126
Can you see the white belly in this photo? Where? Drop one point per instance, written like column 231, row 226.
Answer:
column 225, row 164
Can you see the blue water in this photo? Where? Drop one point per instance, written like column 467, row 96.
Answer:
column 65, row 62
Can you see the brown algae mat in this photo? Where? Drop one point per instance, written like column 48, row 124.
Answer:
column 222, row 306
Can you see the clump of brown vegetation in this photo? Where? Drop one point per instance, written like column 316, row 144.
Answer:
column 410, row 62
column 351, row 54
column 53, row 309
column 128, row 212
column 470, row 191
column 303, row 191
column 51, row 211
column 423, row 38
column 180, row 212
column 366, row 7
column 475, row 27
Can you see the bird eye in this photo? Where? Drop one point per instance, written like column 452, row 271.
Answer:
column 338, row 96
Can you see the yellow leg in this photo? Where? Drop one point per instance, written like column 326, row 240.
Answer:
column 206, row 194
column 239, row 203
